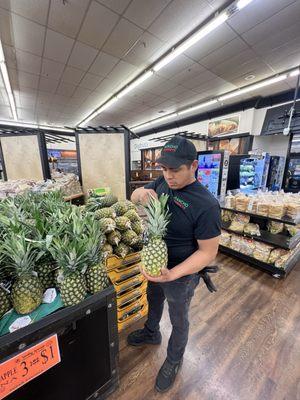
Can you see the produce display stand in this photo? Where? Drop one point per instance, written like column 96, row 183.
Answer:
column 277, row 240
column 76, row 199
column 85, row 363
column 130, row 286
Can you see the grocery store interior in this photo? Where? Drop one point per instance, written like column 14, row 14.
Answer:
column 90, row 92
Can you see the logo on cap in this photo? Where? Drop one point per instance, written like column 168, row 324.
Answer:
column 170, row 148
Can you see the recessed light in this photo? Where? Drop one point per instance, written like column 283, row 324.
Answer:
column 249, row 77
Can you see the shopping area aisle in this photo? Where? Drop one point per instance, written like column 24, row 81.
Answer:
column 244, row 342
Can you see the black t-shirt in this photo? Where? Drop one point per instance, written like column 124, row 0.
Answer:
column 195, row 215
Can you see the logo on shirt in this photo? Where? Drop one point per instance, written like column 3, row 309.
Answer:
column 180, row 203
column 170, row 148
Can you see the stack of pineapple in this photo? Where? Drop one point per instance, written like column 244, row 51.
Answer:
column 120, row 222
column 45, row 242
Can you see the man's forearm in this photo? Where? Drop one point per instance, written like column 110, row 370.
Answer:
column 193, row 264
column 135, row 197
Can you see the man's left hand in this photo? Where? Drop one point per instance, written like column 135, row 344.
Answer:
column 166, row 276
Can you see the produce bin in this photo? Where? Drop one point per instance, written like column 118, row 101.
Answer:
column 86, row 364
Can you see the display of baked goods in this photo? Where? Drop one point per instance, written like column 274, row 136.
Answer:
column 225, row 238
column 269, row 204
column 252, row 229
column 247, row 246
column 276, row 254
column 262, row 251
column 292, row 230
column 275, row 227
column 238, row 222
column 227, row 216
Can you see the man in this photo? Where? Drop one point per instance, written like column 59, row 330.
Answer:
column 192, row 241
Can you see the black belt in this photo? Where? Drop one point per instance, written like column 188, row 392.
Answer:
column 204, row 274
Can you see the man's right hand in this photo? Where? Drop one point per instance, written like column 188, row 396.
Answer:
column 145, row 195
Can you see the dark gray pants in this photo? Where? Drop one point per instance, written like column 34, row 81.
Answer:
column 178, row 294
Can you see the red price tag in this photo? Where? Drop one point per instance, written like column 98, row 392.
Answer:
column 27, row 365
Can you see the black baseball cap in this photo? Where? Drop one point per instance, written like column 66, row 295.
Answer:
column 176, row 152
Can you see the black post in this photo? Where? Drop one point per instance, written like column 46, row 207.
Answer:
column 44, row 155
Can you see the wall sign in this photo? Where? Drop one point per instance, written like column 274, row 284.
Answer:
column 224, row 126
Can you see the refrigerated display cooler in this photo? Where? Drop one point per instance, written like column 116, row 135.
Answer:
column 212, row 171
column 276, row 172
column 254, row 173
column 292, row 181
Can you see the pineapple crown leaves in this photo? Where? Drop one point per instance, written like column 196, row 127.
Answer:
column 21, row 254
column 158, row 216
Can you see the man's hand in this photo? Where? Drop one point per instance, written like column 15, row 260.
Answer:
column 145, row 195
column 166, row 276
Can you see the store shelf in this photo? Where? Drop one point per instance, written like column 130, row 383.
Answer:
column 276, row 240
column 285, row 220
column 271, row 269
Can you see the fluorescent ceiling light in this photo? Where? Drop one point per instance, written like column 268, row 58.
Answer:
column 165, row 117
column 35, row 126
column 253, row 87
column 7, row 85
column 243, row 3
column 294, row 73
column 142, row 125
column 206, row 104
column 200, row 34
column 135, row 83
column 98, row 111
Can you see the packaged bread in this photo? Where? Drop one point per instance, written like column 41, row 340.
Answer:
column 227, row 216
column 275, row 227
column 247, row 246
column 292, row 230
column 225, row 238
column 230, row 201
column 276, row 210
column 238, row 223
column 235, row 243
column 276, row 254
column 252, row 229
column 262, row 251
column 262, row 208
column 292, row 210
column 282, row 261
column 241, row 203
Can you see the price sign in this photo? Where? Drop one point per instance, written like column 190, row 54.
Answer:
column 27, row 365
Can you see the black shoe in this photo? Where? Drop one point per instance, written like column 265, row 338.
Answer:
column 166, row 376
column 141, row 336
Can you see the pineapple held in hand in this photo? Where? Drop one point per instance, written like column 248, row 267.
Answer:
column 155, row 253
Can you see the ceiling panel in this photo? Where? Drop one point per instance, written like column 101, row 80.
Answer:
column 181, row 63
column 90, row 81
column 144, row 12
column 31, row 9
column 281, row 63
column 142, row 52
column 27, row 80
column 218, row 38
column 224, row 53
column 105, row 87
column 178, row 19
column 48, row 85
column 66, row 17
column 26, row 114
column 97, row 25
column 122, row 38
column 190, row 72
column 203, row 77
column 57, row 46
column 5, row 112
column 275, row 25
column 66, row 89
column 255, row 13
column 122, row 73
column 28, row 35
column 115, row 5
column 6, row 31
column 52, row 69
column 82, row 56
column 103, row 64
column 82, row 93
column 72, row 75
column 28, row 62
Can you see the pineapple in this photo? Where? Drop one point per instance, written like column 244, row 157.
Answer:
column 130, row 205
column 71, row 256
column 107, row 250
column 120, row 208
column 95, row 203
column 129, row 237
column 123, row 223
column 114, row 238
column 155, row 254
column 106, row 212
column 138, row 246
column 27, row 290
column 46, row 274
column 96, row 276
column 121, row 250
column 107, row 225
column 5, row 304
column 137, row 227
column 132, row 215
